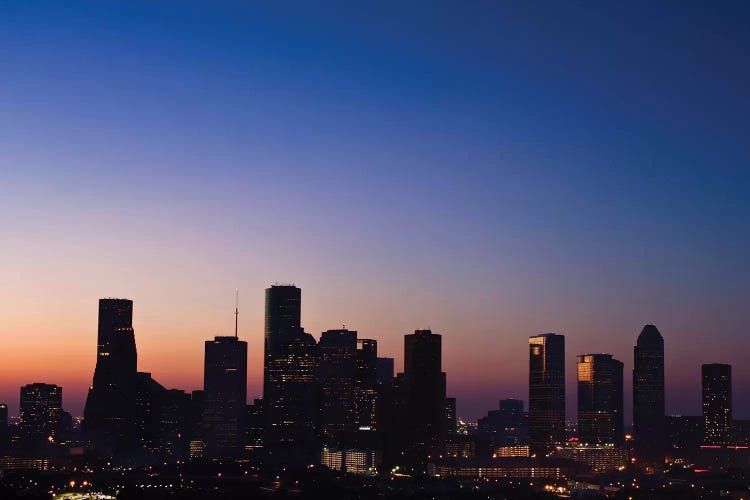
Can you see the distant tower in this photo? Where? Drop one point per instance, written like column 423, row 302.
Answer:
column 717, row 403
column 110, row 410
column 337, row 374
column 225, row 389
column 365, row 391
column 600, row 399
column 421, row 399
column 41, row 412
column 290, row 395
column 451, row 420
column 648, row 398
column 546, row 392
column 3, row 427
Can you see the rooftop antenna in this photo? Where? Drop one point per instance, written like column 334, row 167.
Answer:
column 236, row 310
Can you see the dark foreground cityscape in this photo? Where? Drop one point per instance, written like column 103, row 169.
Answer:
column 336, row 421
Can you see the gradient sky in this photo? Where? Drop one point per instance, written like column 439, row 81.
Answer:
column 488, row 171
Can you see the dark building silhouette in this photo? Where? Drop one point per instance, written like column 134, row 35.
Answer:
column 290, row 388
column 40, row 415
column 648, row 398
column 365, row 389
column 451, row 421
column 174, row 424
column 683, row 432
column 717, row 404
column 546, row 392
column 385, row 370
column 337, row 352
column 162, row 419
column 4, row 434
column 348, row 383
column 385, row 414
column 600, row 400
column 506, row 426
column 740, row 435
column 197, row 434
column 420, row 399
column 110, row 406
column 225, row 389
column 254, row 429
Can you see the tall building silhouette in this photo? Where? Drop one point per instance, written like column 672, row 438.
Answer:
column 420, row 396
column 451, row 419
column 225, row 390
column 4, row 435
column 717, row 403
column 40, row 413
column 600, row 399
column 110, row 406
column 365, row 390
column 337, row 351
column 546, row 392
column 290, row 391
column 648, row 398
column 506, row 426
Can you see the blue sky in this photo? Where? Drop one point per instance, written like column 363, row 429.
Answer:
column 491, row 170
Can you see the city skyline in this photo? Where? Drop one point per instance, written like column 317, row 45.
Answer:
column 571, row 400
column 490, row 172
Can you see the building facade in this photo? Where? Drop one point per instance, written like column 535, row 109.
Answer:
column 40, row 413
column 110, row 412
column 420, row 400
column 648, row 397
column 717, row 404
column 600, row 400
column 290, row 382
column 225, row 389
column 546, row 392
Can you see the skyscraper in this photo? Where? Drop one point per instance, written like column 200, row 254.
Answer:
column 110, row 406
column 450, row 416
column 337, row 352
column 600, row 399
column 546, row 392
column 3, row 427
column 365, row 391
column 40, row 412
column 717, row 403
column 648, row 398
column 225, row 388
column 290, row 391
column 421, row 399
column 506, row 426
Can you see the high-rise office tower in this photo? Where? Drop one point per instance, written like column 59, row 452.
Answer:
column 337, row 352
column 40, row 413
column 254, row 429
column 546, row 392
column 450, row 416
column 4, row 435
column 290, row 389
column 600, row 400
column 717, row 403
column 506, row 426
column 225, row 388
column 110, row 406
column 421, row 399
column 365, row 390
column 648, row 398
column 385, row 411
